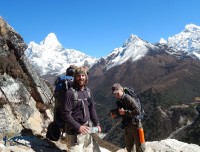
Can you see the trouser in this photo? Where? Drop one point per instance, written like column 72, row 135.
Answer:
column 81, row 143
column 131, row 135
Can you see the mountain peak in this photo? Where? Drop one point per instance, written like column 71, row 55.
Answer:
column 162, row 41
column 134, row 48
column 191, row 28
column 132, row 39
column 50, row 40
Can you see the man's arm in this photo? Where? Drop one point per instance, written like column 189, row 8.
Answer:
column 134, row 108
column 67, row 110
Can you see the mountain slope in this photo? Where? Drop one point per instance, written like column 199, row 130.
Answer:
column 163, row 76
column 24, row 96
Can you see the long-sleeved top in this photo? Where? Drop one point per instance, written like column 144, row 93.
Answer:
column 130, row 106
column 80, row 113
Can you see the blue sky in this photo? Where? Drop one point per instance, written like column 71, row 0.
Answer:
column 96, row 27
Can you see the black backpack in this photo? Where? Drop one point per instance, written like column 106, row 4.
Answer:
column 53, row 131
column 131, row 92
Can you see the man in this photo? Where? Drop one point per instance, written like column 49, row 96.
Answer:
column 127, row 108
column 77, row 117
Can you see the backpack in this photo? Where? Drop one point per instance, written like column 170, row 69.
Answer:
column 62, row 84
column 53, row 131
column 131, row 92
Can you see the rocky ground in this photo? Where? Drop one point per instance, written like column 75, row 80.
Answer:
column 36, row 143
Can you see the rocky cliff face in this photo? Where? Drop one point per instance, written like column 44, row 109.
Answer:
column 24, row 96
column 189, row 133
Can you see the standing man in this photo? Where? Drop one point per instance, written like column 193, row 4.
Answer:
column 78, row 111
column 127, row 108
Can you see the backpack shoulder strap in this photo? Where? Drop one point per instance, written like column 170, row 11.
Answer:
column 66, row 84
column 88, row 92
column 75, row 93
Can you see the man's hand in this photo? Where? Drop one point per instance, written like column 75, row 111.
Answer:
column 121, row 111
column 99, row 129
column 113, row 115
column 84, row 129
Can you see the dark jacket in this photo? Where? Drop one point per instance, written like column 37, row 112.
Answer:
column 81, row 113
column 130, row 106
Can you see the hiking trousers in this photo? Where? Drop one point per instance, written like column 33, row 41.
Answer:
column 131, row 136
column 81, row 143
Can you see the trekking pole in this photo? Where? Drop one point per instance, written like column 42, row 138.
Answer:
column 141, row 133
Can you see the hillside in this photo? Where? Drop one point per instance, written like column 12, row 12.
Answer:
column 162, row 81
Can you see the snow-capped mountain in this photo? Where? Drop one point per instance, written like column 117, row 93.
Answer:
column 187, row 41
column 51, row 57
column 134, row 48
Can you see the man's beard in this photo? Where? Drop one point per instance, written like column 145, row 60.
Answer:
column 81, row 82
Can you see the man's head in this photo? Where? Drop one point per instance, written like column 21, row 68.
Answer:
column 117, row 90
column 80, row 77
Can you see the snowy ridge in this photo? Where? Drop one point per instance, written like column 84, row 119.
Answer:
column 50, row 57
column 134, row 48
column 187, row 41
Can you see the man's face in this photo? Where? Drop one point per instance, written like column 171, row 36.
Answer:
column 81, row 78
column 119, row 94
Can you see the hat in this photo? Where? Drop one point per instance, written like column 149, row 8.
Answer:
column 80, row 70
column 116, row 87
column 86, row 69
